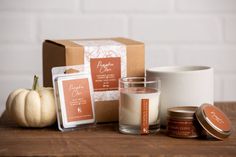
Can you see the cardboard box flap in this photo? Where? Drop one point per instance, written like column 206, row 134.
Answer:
column 126, row 41
column 73, row 53
column 70, row 43
column 64, row 43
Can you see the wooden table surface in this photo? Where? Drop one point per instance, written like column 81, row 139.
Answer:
column 105, row 140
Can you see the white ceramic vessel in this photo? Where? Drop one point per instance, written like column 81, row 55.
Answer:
column 183, row 86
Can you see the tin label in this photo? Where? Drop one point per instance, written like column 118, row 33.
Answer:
column 144, row 116
column 77, row 99
column 217, row 118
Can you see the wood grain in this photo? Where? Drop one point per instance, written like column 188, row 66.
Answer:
column 105, row 140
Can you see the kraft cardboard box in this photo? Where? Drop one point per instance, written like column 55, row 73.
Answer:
column 109, row 59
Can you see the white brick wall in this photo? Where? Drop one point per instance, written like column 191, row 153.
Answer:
column 128, row 6
column 222, row 59
column 175, row 28
column 176, row 32
column 230, row 30
column 75, row 26
column 42, row 5
column 16, row 28
column 206, row 5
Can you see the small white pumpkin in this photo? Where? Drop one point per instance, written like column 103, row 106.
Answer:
column 32, row 108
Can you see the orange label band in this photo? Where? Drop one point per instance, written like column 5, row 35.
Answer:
column 144, row 116
column 105, row 73
column 77, row 99
column 217, row 118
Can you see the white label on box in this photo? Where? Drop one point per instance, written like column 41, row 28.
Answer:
column 108, row 62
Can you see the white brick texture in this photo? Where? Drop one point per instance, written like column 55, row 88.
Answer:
column 176, row 32
column 21, row 59
column 175, row 29
column 230, row 30
column 83, row 26
column 158, row 56
column 127, row 5
column 222, row 59
column 16, row 28
column 206, row 5
column 218, row 87
column 42, row 5
column 230, row 89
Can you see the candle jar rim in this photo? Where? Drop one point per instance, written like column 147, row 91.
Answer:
column 182, row 112
column 139, row 80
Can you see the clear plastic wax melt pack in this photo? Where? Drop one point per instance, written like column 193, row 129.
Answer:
column 73, row 91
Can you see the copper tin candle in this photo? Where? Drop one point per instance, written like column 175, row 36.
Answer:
column 213, row 121
column 181, row 122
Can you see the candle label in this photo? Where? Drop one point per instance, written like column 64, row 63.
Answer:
column 144, row 116
column 181, row 128
column 217, row 118
column 105, row 73
column 77, row 99
column 108, row 62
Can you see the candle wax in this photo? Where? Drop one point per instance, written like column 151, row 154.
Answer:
column 130, row 105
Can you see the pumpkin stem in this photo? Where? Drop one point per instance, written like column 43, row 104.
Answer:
column 35, row 83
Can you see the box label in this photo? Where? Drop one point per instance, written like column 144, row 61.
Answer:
column 77, row 99
column 105, row 73
column 101, row 53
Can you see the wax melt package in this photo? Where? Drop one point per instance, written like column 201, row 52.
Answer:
column 73, row 91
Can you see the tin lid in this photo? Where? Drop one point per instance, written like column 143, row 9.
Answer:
column 182, row 112
column 214, row 121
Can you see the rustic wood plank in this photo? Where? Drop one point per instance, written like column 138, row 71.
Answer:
column 105, row 140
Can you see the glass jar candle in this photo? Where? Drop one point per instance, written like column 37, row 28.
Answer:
column 139, row 106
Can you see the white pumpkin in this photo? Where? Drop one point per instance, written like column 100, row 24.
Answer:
column 32, row 108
